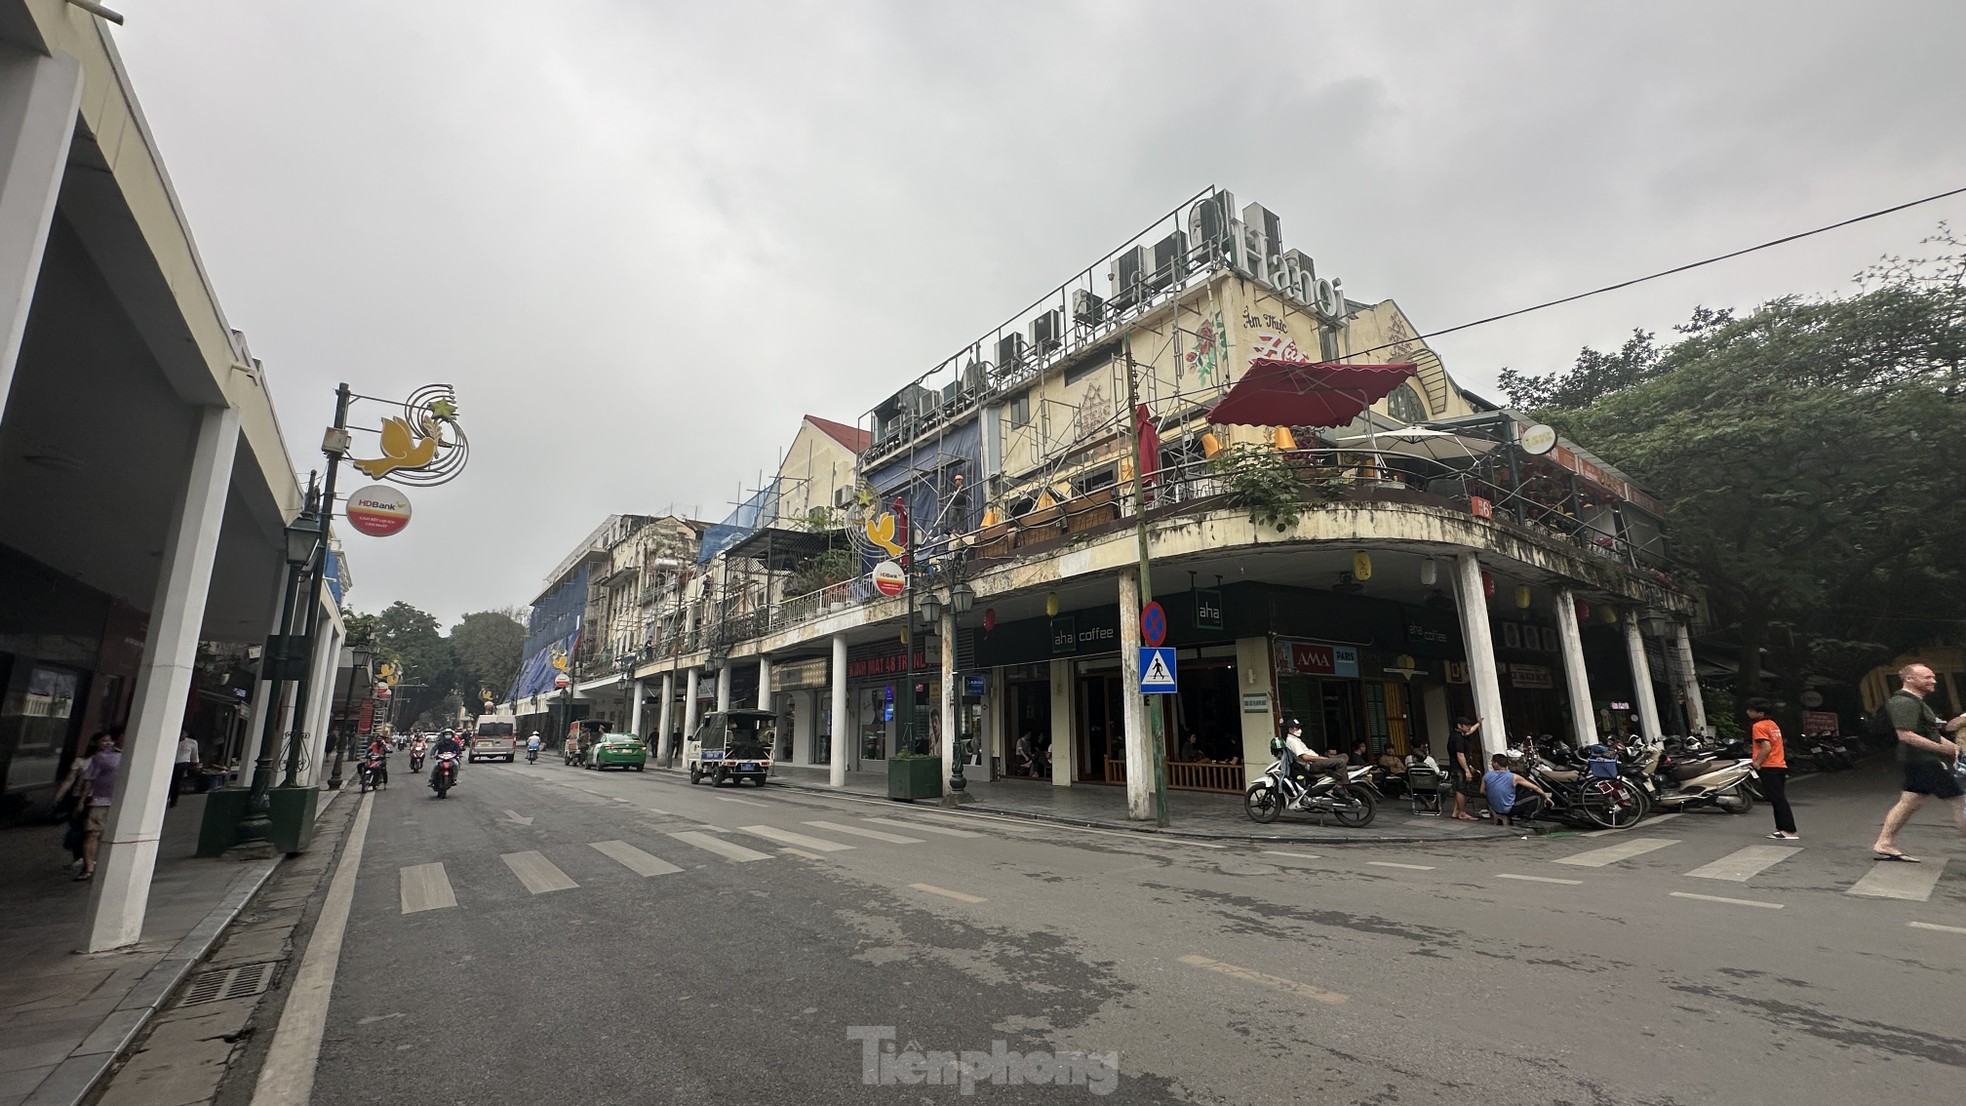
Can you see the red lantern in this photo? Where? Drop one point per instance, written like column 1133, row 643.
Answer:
column 989, row 618
column 1583, row 611
column 1488, row 585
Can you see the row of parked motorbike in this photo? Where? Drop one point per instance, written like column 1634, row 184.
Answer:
column 1602, row 787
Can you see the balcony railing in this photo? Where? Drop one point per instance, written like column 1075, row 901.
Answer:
column 1320, row 476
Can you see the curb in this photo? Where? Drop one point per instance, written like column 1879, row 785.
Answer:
column 77, row 1075
column 1195, row 835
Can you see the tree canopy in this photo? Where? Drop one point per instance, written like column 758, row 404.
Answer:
column 1802, row 453
column 437, row 674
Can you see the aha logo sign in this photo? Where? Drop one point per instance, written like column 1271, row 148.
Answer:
column 378, row 510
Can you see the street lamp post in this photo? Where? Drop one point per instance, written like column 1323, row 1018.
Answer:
column 258, row 823
column 961, row 599
column 912, row 635
column 624, row 665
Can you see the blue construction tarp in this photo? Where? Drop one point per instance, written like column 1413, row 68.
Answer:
column 759, row 511
column 537, row 673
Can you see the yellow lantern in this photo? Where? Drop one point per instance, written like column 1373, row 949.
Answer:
column 1522, row 596
column 1285, row 439
column 990, row 516
column 1051, row 604
column 1210, row 443
column 1608, row 614
column 904, row 635
column 1361, row 566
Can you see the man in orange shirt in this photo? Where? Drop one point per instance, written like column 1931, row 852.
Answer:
column 1773, row 766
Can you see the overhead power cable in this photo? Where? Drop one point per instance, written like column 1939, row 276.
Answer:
column 1670, row 272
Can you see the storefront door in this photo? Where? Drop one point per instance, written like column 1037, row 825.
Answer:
column 1030, row 718
column 1101, row 728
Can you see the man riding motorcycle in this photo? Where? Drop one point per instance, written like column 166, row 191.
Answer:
column 418, row 750
column 447, row 742
column 532, row 747
column 1305, row 765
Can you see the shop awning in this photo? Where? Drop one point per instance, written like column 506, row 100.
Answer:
column 1294, row 393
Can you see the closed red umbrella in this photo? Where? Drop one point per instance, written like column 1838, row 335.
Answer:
column 1296, row 393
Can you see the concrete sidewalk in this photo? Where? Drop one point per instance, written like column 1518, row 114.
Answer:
column 1191, row 814
column 66, row 1015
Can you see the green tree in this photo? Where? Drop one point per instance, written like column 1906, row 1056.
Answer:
column 1801, row 453
column 487, row 645
column 411, row 639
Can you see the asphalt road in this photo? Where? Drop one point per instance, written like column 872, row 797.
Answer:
column 593, row 955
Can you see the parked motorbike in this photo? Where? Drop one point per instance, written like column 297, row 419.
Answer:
column 573, row 755
column 1686, row 784
column 1277, row 789
column 444, row 776
column 373, row 771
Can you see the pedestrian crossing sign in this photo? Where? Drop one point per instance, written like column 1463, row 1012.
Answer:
column 1157, row 671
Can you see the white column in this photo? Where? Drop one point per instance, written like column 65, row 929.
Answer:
column 947, row 630
column 1648, row 707
column 764, row 682
column 328, row 650
column 692, row 689
column 1583, row 719
column 1689, row 679
column 1480, row 642
column 723, row 687
column 121, row 891
column 1133, row 705
column 263, row 692
column 38, row 100
column 995, row 743
column 635, row 709
column 1064, row 750
column 665, row 718
column 842, row 740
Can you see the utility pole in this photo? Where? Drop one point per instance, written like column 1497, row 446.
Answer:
column 908, row 637
column 1157, row 750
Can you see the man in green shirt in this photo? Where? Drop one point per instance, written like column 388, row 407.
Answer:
column 1925, row 753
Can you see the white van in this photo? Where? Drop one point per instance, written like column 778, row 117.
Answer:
column 496, row 738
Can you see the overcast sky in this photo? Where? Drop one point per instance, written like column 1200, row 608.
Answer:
column 643, row 238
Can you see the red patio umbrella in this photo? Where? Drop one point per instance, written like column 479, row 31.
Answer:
column 1297, row 393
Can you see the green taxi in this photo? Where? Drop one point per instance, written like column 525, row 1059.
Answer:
column 617, row 750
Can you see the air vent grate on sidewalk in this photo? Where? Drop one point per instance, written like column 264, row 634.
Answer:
column 239, row 982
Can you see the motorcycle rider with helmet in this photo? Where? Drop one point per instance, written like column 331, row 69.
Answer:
column 447, row 742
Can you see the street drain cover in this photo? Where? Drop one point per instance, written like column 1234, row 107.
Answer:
column 239, row 982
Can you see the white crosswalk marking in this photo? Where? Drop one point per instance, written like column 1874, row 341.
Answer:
column 875, row 835
column 425, row 887
column 637, row 861
column 1744, row 864
column 1894, row 879
column 537, row 873
column 1623, row 850
column 746, row 802
column 787, row 837
column 923, row 828
column 719, row 846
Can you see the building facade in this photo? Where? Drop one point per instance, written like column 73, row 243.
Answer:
column 1415, row 555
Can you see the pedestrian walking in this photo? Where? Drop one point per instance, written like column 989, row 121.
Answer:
column 98, row 793
column 188, row 759
column 1924, row 753
column 1771, row 762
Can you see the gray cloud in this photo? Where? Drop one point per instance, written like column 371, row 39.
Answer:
column 642, row 239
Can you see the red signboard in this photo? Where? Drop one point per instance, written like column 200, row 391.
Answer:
column 1481, row 508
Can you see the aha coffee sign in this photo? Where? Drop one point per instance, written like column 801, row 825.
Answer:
column 378, row 510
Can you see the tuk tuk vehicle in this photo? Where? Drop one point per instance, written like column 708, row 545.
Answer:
column 731, row 745
column 581, row 739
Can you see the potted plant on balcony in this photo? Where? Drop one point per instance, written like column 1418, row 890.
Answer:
column 912, row 776
column 1261, row 481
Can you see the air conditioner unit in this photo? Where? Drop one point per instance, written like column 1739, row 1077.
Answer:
column 1298, row 278
column 1010, row 351
column 1262, row 238
column 974, row 376
column 1129, row 275
column 1087, row 309
column 951, row 392
column 1170, row 260
column 1047, row 329
column 842, row 498
column 1212, row 224
column 927, row 402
